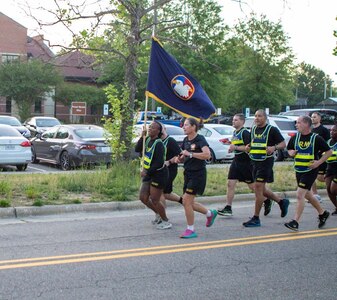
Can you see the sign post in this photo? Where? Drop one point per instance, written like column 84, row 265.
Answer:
column 79, row 108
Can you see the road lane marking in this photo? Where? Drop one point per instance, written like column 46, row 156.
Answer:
column 159, row 250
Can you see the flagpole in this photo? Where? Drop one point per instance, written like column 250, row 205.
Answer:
column 144, row 129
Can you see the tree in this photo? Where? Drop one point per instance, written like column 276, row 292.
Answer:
column 262, row 71
column 129, row 26
column 311, row 82
column 26, row 82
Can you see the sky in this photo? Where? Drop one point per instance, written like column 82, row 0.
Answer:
column 308, row 23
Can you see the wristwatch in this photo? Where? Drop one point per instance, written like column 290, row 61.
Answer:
column 191, row 154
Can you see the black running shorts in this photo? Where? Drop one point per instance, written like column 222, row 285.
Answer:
column 241, row 171
column 263, row 170
column 305, row 180
column 195, row 182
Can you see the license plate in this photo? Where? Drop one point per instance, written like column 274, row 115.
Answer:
column 105, row 149
column 9, row 147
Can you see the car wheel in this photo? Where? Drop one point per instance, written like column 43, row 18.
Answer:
column 278, row 155
column 34, row 160
column 21, row 167
column 212, row 159
column 65, row 161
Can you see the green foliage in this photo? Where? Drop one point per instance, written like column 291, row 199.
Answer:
column 5, row 187
column 69, row 92
column 5, row 203
column 32, row 192
column 26, row 82
column 38, row 202
column 310, row 83
column 118, row 107
column 73, row 183
column 262, row 70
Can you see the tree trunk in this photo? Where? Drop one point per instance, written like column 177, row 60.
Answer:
column 131, row 78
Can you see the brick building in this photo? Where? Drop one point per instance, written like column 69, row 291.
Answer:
column 75, row 67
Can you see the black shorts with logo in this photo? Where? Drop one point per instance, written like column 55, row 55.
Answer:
column 172, row 174
column 305, row 180
column 241, row 171
column 322, row 168
column 158, row 179
column 195, row 182
column 263, row 170
column 331, row 171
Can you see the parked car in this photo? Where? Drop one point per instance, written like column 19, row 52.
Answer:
column 70, row 146
column 14, row 122
column 329, row 116
column 15, row 149
column 174, row 131
column 158, row 116
column 286, row 127
column 40, row 124
column 218, row 136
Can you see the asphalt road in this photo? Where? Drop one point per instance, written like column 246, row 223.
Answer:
column 120, row 255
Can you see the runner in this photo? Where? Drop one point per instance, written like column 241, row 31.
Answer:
column 194, row 155
column 240, row 169
column 172, row 150
column 154, row 173
column 305, row 148
column 331, row 170
column 265, row 140
column 318, row 128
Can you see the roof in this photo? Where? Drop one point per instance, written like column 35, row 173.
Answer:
column 77, row 65
column 36, row 48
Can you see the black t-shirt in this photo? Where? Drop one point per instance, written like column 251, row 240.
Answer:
column 172, row 150
column 246, row 140
column 322, row 131
column 275, row 137
column 194, row 146
column 157, row 161
column 320, row 144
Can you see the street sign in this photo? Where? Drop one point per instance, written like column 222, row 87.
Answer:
column 105, row 109
column 79, row 108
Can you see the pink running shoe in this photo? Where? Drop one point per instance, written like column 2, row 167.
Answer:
column 188, row 234
column 210, row 220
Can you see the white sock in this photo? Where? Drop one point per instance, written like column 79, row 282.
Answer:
column 190, row 227
column 208, row 214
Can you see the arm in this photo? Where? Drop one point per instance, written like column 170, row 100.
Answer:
column 316, row 163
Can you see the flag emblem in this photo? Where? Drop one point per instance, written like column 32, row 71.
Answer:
column 182, row 87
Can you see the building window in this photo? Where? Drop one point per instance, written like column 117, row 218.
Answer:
column 7, row 58
column 38, row 107
column 8, row 106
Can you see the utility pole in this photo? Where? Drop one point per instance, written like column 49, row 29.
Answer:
column 324, row 89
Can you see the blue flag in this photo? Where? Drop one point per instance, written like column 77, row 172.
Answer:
column 170, row 84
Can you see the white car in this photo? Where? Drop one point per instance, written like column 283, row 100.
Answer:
column 40, row 124
column 15, row 149
column 218, row 137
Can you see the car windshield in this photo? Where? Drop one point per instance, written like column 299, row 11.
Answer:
column 8, row 131
column 224, row 130
column 47, row 122
column 87, row 133
column 285, row 125
column 10, row 121
column 175, row 131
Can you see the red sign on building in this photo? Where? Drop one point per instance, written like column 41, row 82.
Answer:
column 79, row 108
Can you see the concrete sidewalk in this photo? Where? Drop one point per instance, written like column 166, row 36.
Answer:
column 21, row 212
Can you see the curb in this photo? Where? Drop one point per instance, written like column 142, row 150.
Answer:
column 29, row 211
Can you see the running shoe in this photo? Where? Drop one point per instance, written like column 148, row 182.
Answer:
column 157, row 220
column 267, row 206
column 227, row 211
column 253, row 222
column 164, row 225
column 210, row 220
column 334, row 213
column 188, row 234
column 293, row 225
column 284, row 204
column 322, row 218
